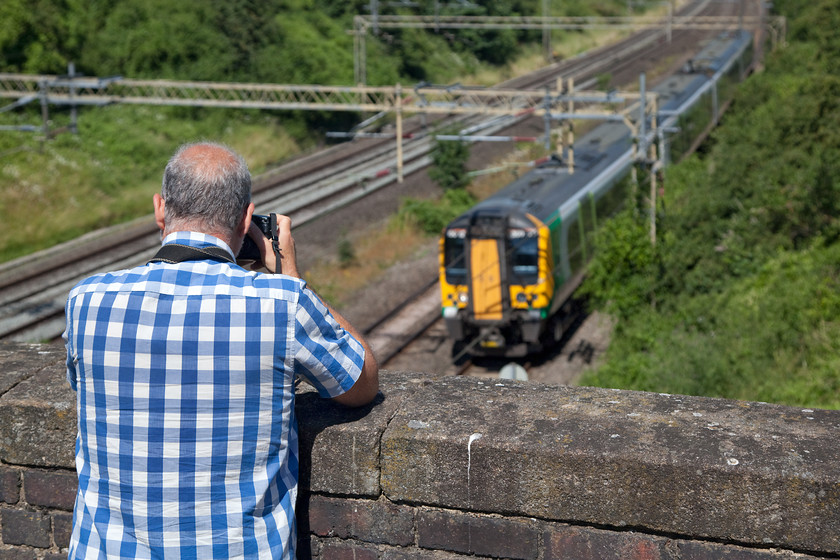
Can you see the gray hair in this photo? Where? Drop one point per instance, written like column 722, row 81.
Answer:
column 210, row 188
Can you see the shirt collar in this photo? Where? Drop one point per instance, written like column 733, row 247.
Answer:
column 197, row 239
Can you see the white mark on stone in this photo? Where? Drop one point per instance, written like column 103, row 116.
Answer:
column 807, row 410
column 732, row 461
column 696, row 414
column 417, row 424
column 469, row 453
column 473, row 437
column 613, row 436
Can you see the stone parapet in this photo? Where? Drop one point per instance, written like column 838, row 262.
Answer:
column 455, row 467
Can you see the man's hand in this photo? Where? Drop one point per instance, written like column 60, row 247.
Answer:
column 286, row 243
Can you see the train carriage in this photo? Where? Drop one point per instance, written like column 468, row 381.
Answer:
column 509, row 265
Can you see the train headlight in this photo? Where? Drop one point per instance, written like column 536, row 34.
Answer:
column 463, row 297
column 522, row 297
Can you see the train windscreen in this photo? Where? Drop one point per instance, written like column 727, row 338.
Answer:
column 454, row 259
column 524, row 261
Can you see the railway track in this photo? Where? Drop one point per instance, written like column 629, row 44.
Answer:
column 33, row 289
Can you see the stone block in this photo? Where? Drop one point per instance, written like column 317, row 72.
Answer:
column 582, row 543
column 62, row 528
column 339, row 446
column 25, row 527
column 366, row 520
column 421, row 554
column 21, row 360
column 51, row 489
column 479, row 535
column 346, row 550
column 38, row 414
column 9, row 485
column 733, row 471
column 14, row 553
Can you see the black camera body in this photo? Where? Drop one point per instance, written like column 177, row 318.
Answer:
column 249, row 250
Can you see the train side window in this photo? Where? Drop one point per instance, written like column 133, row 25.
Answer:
column 525, row 261
column 611, row 201
column 586, row 216
column 454, row 260
column 574, row 245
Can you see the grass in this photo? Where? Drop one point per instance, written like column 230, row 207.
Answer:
column 57, row 190
column 375, row 249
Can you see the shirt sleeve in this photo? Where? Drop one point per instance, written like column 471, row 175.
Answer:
column 329, row 357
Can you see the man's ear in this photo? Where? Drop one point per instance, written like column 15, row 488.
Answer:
column 246, row 220
column 159, row 205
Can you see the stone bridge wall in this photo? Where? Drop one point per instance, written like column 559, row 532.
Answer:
column 447, row 468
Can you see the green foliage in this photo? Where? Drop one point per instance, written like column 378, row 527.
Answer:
column 771, row 337
column 603, row 81
column 160, row 39
column 346, row 253
column 814, row 24
column 622, row 276
column 745, row 272
column 36, row 36
column 310, row 48
column 281, row 41
column 449, row 163
column 432, row 216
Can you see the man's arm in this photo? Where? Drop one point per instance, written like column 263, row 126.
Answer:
column 367, row 385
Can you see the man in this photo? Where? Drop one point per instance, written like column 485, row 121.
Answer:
column 184, row 370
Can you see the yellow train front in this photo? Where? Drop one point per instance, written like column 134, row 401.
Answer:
column 497, row 281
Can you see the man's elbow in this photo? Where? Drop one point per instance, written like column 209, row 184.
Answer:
column 366, row 387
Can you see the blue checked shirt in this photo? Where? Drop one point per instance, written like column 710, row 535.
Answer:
column 187, row 444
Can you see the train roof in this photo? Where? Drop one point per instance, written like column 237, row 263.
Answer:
column 545, row 190
column 719, row 51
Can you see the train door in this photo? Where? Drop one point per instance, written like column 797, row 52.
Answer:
column 486, row 276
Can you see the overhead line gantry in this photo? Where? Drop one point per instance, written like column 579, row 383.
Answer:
column 362, row 24
column 560, row 103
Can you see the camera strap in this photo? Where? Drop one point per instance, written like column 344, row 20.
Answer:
column 275, row 242
column 174, row 253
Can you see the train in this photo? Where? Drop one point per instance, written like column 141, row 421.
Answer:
column 509, row 266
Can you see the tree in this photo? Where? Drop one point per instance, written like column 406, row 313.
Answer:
column 449, row 164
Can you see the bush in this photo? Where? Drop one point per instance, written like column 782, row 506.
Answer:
column 449, row 163
column 432, row 216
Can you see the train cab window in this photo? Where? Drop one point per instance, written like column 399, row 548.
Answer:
column 454, row 260
column 525, row 261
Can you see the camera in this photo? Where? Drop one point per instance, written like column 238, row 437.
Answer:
column 249, row 250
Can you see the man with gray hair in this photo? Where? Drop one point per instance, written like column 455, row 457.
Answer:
column 185, row 371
